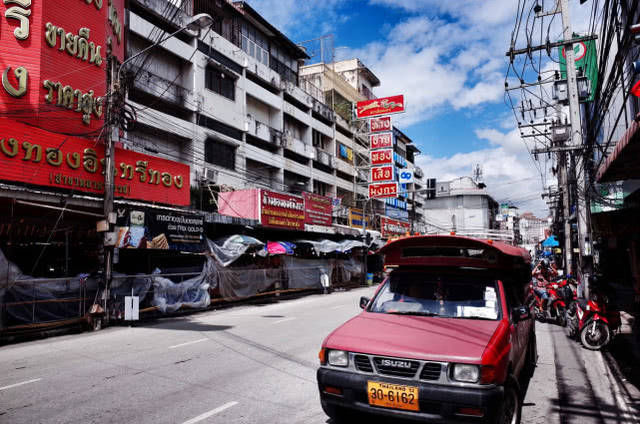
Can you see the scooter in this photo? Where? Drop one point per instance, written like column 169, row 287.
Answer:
column 556, row 304
column 592, row 322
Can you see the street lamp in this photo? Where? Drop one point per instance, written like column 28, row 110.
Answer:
column 197, row 22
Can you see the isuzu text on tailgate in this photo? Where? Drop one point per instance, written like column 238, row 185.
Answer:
column 447, row 337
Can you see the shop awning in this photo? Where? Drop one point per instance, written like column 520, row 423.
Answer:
column 551, row 241
column 624, row 162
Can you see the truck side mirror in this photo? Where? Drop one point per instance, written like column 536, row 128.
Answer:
column 520, row 313
column 364, row 301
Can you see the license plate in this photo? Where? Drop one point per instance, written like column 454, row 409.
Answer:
column 393, row 395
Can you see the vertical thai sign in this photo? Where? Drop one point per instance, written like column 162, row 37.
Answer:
column 383, row 190
column 380, row 124
column 380, row 141
column 381, row 173
column 381, row 157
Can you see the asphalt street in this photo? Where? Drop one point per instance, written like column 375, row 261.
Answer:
column 247, row 364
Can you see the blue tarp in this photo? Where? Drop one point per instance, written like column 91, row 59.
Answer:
column 551, row 241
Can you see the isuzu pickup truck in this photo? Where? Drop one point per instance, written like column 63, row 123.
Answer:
column 447, row 337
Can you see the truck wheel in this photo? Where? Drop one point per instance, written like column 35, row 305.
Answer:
column 511, row 408
column 532, row 357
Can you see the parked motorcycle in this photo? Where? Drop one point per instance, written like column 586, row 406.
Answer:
column 592, row 321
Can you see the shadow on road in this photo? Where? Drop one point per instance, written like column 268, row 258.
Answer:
column 185, row 325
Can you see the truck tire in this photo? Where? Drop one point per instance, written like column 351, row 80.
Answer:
column 510, row 410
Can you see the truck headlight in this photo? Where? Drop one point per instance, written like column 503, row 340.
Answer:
column 466, row 373
column 338, row 358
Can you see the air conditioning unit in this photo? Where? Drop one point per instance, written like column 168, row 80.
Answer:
column 209, row 176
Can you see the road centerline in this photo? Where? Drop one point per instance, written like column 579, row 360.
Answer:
column 189, row 343
column 210, row 413
column 22, row 383
column 284, row 320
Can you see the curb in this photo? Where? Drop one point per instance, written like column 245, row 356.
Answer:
column 624, row 392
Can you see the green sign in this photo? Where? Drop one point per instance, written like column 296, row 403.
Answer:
column 586, row 57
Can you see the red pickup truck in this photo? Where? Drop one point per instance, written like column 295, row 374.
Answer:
column 447, row 337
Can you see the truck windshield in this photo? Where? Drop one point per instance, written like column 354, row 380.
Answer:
column 446, row 296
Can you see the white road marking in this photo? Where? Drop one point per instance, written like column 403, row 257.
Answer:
column 339, row 306
column 188, row 343
column 210, row 413
column 11, row 386
column 284, row 320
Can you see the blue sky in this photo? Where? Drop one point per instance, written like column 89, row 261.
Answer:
column 448, row 58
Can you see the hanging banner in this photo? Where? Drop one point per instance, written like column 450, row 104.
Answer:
column 380, row 124
column 380, row 141
column 381, row 157
column 318, row 209
column 377, row 107
column 151, row 228
column 391, row 227
column 381, row 173
column 378, row 191
column 282, row 210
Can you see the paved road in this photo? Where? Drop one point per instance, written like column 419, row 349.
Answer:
column 249, row 364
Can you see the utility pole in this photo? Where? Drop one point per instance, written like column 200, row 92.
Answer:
column 575, row 140
column 109, row 168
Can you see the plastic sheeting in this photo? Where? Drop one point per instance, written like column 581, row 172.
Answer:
column 306, row 273
column 237, row 283
column 329, row 246
column 228, row 249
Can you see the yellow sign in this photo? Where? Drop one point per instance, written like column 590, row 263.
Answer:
column 355, row 218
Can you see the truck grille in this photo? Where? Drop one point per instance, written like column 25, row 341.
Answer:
column 388, row 366
column 362, row 363
column 431, row 371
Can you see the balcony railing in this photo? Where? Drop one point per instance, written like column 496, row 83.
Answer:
column 263, row 131
column 160, row 87
column 181, row 11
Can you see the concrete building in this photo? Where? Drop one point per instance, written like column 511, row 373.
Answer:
column 238, row 105
column 461, row 205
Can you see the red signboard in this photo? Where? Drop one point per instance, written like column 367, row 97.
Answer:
column 377, row 107
column 380, row 124
column 317, row 209
column 380, row 141
column 381, row 157
column 391, row 227
column 381, row 173
column 381, row 190
column 54, row 61
column 37, row 157
column 282, row 210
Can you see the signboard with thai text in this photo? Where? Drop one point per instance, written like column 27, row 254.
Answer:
column 54, row 61
column 380, row 124
column 281, row 210
column 381, row 173
column 37, row 157
column 381, row 190
column 392, row 227
column 380, row 141
column 356, row 218
column 155, row 228
column 378, row 107
column 381, row 157
column 317, row 209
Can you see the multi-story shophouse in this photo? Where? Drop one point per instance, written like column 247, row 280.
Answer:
column 342, row 84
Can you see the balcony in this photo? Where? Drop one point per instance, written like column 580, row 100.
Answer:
column 298, row 146
column 263, row 132
column 345, row 167
column 324, row 111
column 325, row 158
column 418, row 172
column 164, row 8
column 297, row 93
column 157, row 86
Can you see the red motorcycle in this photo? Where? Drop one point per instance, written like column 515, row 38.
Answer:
column 592, row 321
column 560, row 295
